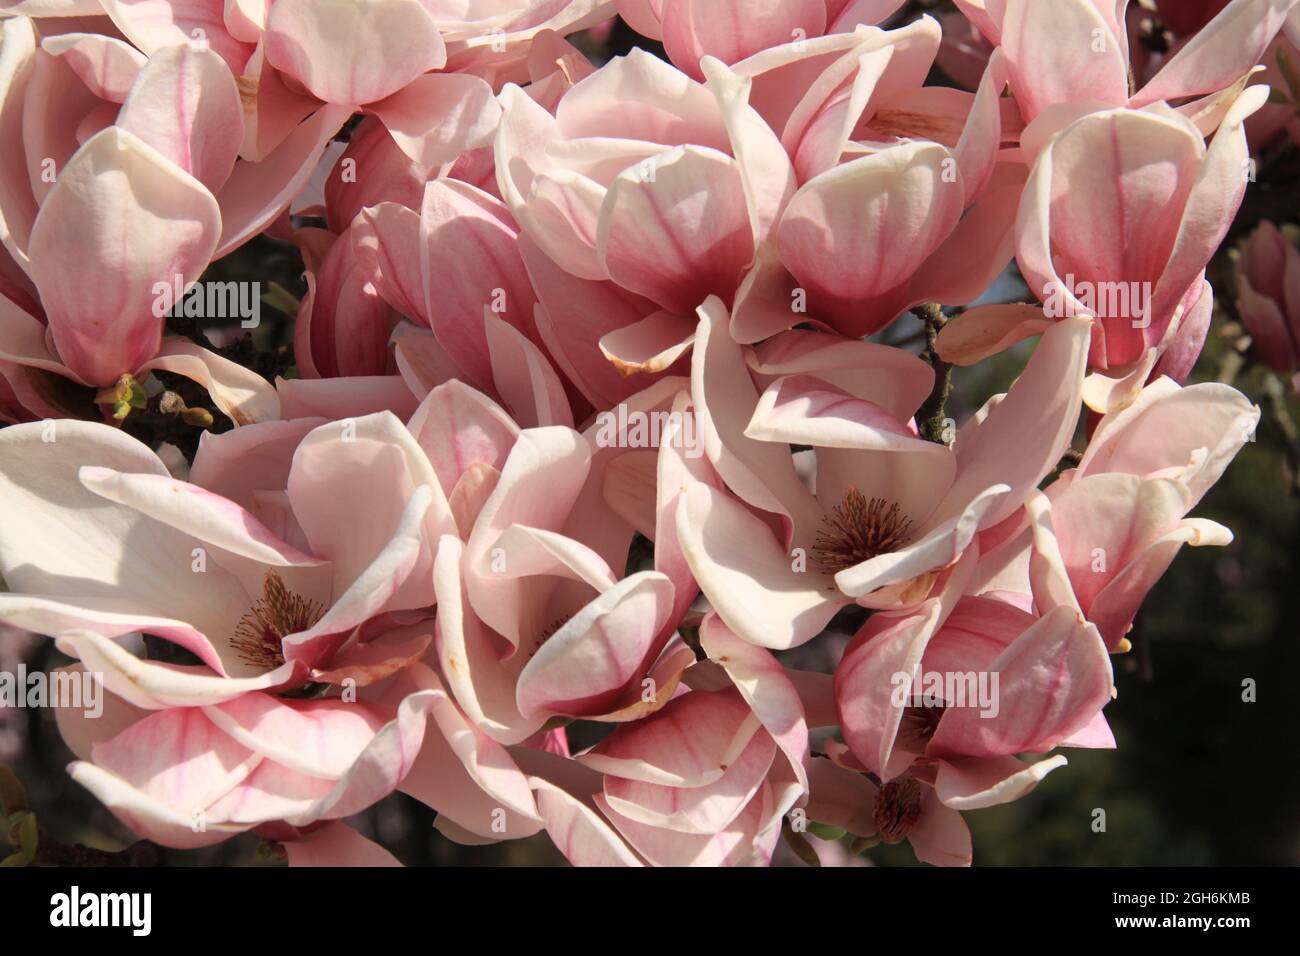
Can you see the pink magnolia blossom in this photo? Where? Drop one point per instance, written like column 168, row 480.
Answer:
column 731, row 188
column 1105, row 532
column 876, row 154
column 1268, row 296
column 264, row 615
column 1172, row 222
column 132, row 172
column 562, row 176
column 1053, row 678
column 937, row 702
column 214, row 568
column 732, row 30
column 871, row 513
column 704, row 780
column 1142, row 273
column 1062, row 53
column 192, row 776
column 534, row 623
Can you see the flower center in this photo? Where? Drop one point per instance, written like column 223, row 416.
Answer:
column 858, row 530
column 276, row 614
column 897, row 808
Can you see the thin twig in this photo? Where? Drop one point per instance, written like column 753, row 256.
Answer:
column 931, row 418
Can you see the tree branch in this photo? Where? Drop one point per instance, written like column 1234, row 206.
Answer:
column 931, row 418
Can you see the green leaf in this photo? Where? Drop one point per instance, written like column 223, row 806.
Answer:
column 863, row 844
column 799, row 843
column 24, row 832
column 271, row 854
column 29, row 836
column 281, row 299
column 824, row 831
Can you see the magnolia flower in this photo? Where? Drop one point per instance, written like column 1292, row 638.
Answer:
column 887, row 510
column 533, row 622
column 572, row 183
column 347, row 605
column 442, row 251
column 630, row 219
column 193, row 776
column 704, row 780
column 139, row 551
column 731, row 30
column 1140, row 274
column 1010, row 683
column 877, row 156
column 136, row 176
column 1105, row 532
column 1268, row 296
column 1064, row 246
column 1063, row 54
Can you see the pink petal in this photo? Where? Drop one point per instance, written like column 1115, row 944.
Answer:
column 1053, row 681
column 131, row 220
column 105, row 64
column 979, row 782
column 1024, row 436
column 689, row 743
column 576, row 315
column 349, row 54
column 153, row 25
column 438, row 116
column 748, row 576
column 463, row 224
column 988, row 330
column 695, row 28
column 240, row 393
column 588, row 664
column 185, row 105
column 1052, row 49
column 320, row 738
column 676, row 229
column 524, row 378
column 836, row 234
column 1219, row 53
